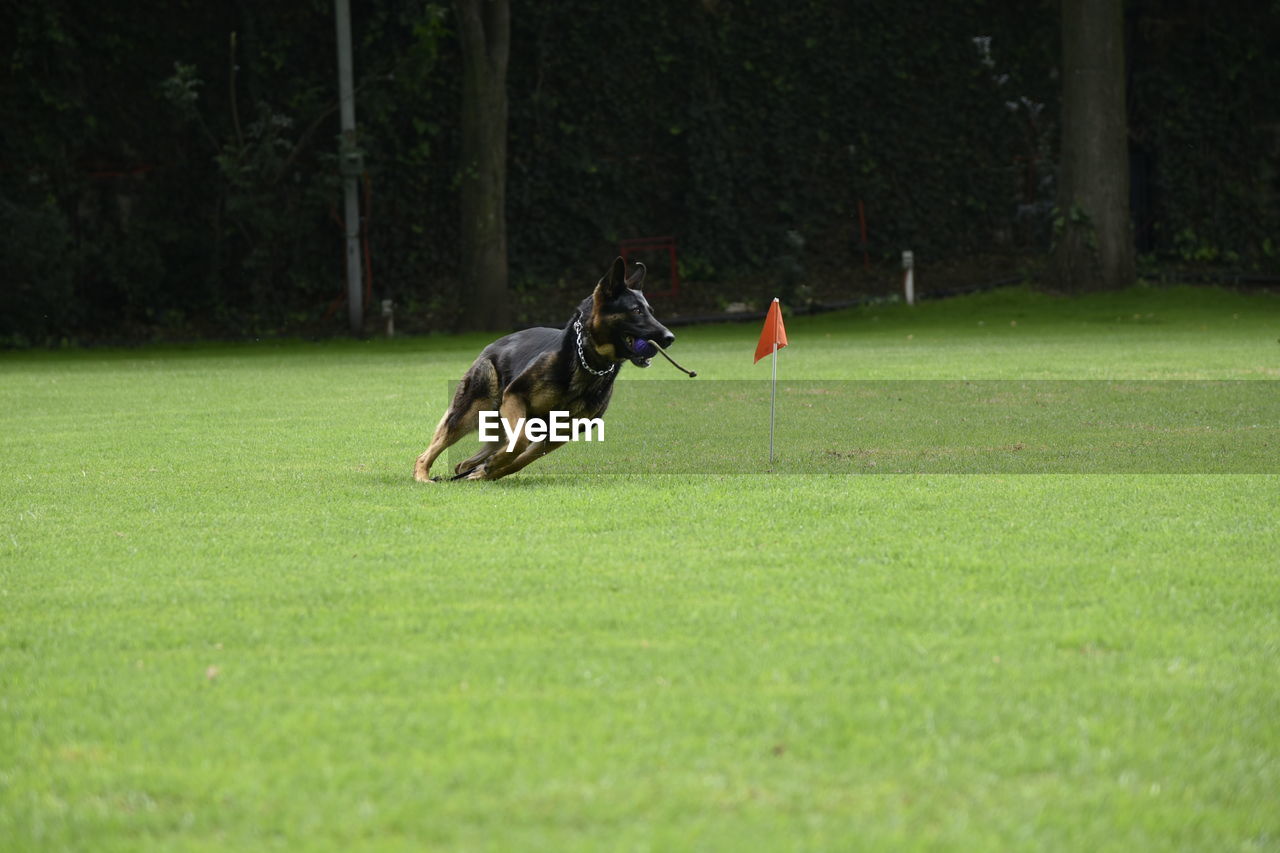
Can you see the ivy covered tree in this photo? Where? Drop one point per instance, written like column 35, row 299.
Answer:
column 1094, row 248
column 484, row 35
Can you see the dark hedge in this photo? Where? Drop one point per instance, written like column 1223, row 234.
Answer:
column 156, row 179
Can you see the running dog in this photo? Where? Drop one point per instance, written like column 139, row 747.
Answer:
column 534, row 372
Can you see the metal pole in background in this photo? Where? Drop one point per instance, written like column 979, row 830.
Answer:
column 350, row 165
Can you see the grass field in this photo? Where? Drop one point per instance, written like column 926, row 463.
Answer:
column 230, row 620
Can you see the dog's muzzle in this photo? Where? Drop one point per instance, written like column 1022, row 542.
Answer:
column 643, row 349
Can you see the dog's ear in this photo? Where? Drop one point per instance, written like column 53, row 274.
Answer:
column 637, row 276
column 614, row 282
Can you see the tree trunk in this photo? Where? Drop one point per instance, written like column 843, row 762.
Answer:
column 1094, row 245
column 484, row 28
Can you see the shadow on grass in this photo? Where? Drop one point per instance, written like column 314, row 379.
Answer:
column 932, row 426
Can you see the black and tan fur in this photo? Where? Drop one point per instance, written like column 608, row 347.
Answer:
column 537, row 371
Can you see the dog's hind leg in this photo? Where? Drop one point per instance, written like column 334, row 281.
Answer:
column 477, row 392
column 445, row 435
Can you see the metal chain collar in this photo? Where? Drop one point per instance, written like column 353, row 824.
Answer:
column 577, row 327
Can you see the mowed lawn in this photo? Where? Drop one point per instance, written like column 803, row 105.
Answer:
column 230, row 620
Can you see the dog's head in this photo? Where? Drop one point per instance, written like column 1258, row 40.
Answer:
column 619, row 316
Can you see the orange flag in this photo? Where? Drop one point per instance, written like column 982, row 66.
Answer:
column 773, row 332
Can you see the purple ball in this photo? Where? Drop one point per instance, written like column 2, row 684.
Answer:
column 643, row 348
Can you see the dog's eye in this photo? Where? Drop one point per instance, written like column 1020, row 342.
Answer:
column 637, row 310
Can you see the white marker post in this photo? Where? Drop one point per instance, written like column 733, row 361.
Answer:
column 909, row 277
column 389, row 314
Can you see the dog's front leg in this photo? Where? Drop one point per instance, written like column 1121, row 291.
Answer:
column 519, row 451
column 504, row 463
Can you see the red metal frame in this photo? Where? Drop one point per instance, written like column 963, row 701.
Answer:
column 655, row 244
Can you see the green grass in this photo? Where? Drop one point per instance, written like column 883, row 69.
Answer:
column 230, row 620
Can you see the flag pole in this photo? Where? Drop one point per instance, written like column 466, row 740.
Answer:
column 772, row 338
column 773, row 396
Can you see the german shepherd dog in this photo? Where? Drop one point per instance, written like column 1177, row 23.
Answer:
column 534, row 372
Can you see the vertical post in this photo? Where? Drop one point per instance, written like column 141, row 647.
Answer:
column 350, row 166
column 908, row 277
column 862, row 234
column 773, row 397
column 389, row 314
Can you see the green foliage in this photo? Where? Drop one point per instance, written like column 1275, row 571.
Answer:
column 197, row 184
column 731, row 134
column 1203, row 106
column 36, row 301
column 1076, row 221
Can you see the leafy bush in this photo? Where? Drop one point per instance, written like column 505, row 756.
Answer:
column 160, row 172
